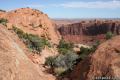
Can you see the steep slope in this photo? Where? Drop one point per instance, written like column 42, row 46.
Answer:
column 89, row 30
column 31, row 21
column 105, row 62
column 34, row 22
column 14, row 64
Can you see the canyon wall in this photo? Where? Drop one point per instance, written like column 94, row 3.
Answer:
column 105, row 62
column 78, row 32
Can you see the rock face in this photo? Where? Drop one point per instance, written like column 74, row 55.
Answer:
column 105, row 62
column 31, row 21
column 17, row 62
column 91, row 28
column 14, row 64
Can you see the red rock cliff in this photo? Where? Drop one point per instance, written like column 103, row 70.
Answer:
column 105, row 62
column 91, row 28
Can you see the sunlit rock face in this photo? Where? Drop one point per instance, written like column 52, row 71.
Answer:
column 105, row 62
column 31, row 21
column 14, row 64
column 92, row 28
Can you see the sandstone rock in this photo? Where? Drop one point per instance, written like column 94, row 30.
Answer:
column 87, row 30
column 32, row 21
column 14, row 64
column 105, row 62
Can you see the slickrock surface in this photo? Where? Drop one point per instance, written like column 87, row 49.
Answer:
column 31, row 21
column 14, row 64
column 104, row 62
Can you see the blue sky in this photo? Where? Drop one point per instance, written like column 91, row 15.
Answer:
column 69, row 8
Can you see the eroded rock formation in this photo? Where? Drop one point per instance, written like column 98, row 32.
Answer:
column 91, row 28
column 31, row 21
column 105, row 62
column 14, row 64
column 16, row 60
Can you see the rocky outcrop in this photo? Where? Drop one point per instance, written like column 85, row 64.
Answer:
column 14, row 64
column 20, row 63
column 31, row 21
column 105, row 62
column 91, row 28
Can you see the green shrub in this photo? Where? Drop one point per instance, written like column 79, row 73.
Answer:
column 33, row 42
column 63, row 50
column 19, row 32
column 65, row 61
column 50, row 61
column 109, row 35
column 59, row 71
column 84, row 52
column 70, row 60
column 3, row 21
column 64, row 47
column 94, row 46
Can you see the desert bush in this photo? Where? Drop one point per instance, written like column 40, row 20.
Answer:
column 65, row 61
column 3, row 21
column 84, row 52
column 19, row 32
column 94, row 46
column 50, row 61
column 59, row 71
column 65, row 47
column 109, row 35
column 33, row 42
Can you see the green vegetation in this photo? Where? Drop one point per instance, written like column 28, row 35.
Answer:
column 59, row 71
column 65, row 47
column 33, row 42
column 109, row 35
column 67, row 59
column 62, row 63
column 50, row 61
column 84, row 52
column 94, row 46
column 3, row 21
column 19, row 32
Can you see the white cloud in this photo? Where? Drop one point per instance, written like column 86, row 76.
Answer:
column 81, row 4
column 95, row 4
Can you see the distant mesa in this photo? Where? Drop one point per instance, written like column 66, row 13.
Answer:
column 86, row 31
